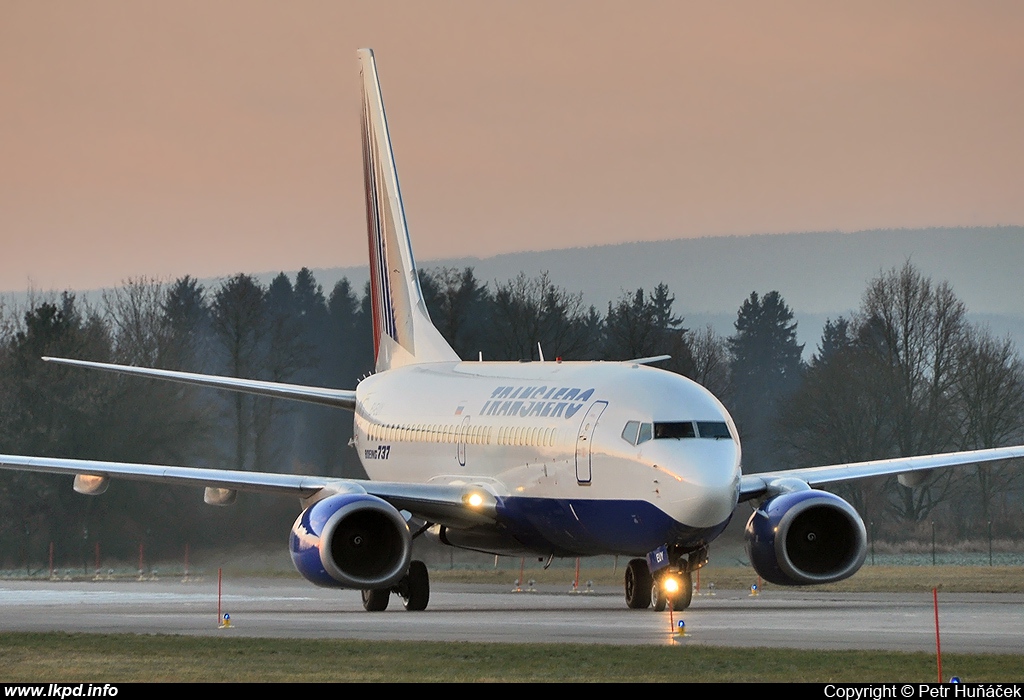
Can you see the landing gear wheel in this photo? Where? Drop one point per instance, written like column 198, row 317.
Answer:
column 376, row 599
column 659, row 598
column 680, row 600
column 685, row 597
column 638, row 584
column 414, row 588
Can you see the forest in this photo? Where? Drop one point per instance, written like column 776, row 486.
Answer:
column 906, row 373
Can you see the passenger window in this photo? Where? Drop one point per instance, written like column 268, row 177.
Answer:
column 629, row 433
column 646, row 433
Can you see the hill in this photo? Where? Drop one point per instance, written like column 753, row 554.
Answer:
column 820, row 274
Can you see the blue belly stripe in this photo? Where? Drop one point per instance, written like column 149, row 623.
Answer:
column 571, row 527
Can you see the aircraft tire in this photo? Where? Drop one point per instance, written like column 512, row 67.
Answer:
column 638, row 582
column 376, row 599
column 415, row 587
column 659, row 599
column 682, row 602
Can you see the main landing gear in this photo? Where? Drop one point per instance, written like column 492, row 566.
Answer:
column 673, row 585
column 413, row 589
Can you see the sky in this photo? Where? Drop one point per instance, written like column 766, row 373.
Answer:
column 155, row 139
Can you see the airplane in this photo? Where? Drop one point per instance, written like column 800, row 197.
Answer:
column 547, row 458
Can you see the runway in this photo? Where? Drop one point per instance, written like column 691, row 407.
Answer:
column 969, row 623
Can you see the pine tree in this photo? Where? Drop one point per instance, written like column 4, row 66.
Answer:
column 766, row 367
column 643, row 326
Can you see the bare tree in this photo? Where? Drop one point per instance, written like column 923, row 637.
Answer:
column 134, row 311
column 149, row 419
column 531, row 310
column 914, row 329
column 907, row 376
column 989, row 391
column 710, row 355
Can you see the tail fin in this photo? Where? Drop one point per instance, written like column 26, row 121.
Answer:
column 402, row 331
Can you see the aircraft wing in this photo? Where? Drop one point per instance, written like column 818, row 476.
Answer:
column 339, row 398
column 755, row 485
column 453, row 505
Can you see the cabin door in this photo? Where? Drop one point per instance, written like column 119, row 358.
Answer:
column 584, row 440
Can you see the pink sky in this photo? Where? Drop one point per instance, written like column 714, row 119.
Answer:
column 206, row 138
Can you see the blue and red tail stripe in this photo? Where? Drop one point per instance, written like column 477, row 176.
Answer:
column 376, row 207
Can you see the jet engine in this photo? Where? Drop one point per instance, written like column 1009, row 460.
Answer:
column 351, row 540
column 806, row 537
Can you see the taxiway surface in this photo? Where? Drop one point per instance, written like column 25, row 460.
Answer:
column 970, row 623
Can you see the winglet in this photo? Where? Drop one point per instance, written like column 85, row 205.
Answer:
column 647, row 360
column 402, row 331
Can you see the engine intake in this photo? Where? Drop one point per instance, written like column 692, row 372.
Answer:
column 806, row 537
column 351, row 541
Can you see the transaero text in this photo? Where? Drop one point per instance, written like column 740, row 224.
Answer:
column 542, row 401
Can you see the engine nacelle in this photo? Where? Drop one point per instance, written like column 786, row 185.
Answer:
column 351, row 540
column 806, row 537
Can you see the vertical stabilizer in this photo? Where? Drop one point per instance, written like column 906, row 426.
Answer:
column 402, row 331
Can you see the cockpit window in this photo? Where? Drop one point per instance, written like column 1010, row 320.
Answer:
column 636, row 432
column 713, row 429
column 680, row 429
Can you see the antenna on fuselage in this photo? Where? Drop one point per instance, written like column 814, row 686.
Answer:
column 540, row 351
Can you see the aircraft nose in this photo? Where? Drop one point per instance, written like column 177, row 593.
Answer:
column 703, row 488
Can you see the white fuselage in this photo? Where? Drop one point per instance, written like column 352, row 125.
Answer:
column 543, row 433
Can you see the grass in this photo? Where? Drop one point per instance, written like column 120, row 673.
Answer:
column 27, row 657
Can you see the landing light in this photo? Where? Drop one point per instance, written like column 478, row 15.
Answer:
column 479, row 501
column 671, row 584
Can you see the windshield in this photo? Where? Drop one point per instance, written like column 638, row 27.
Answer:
column 636, row 432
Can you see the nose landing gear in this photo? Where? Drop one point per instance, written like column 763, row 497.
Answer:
column 671, row 584
column 672, row 587
column 638, row 584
